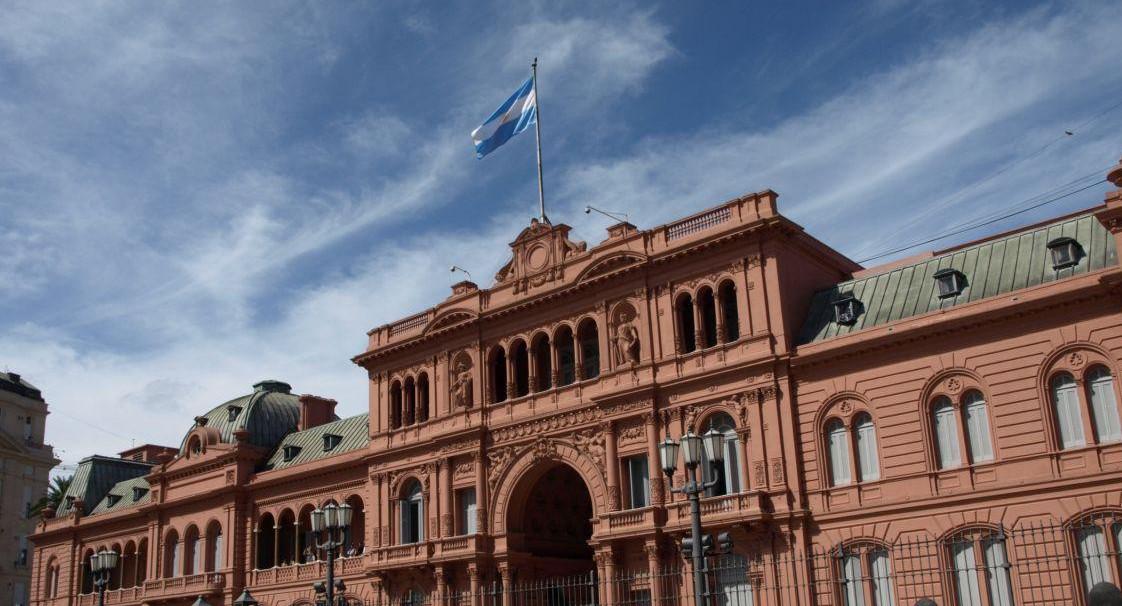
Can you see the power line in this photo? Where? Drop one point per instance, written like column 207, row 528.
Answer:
column 984, row 223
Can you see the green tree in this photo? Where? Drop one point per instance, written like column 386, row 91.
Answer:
column 56, row 490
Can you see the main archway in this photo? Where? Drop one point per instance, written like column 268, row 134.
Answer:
column 549, row 522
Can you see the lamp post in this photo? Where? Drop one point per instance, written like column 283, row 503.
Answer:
column 691, row 444
column 333, row 522
column 102, row 564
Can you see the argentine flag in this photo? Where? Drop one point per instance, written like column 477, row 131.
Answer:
column 512, row 117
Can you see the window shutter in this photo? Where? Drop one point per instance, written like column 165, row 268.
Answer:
column 867, row 450
column 978, row 428
column 1092, row 551
column 997, row 572
column 946, row 435
column 965, row 574
column 1104, row 405
column 882, row 578
column 1068, row 418
column 854, row 584
column 839, row 454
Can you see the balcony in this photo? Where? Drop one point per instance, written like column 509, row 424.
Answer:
column 465, row 546
column 184, row 587
column 727, row 508
column 310, row 571
column 402, row 555
column 127, row 595
column 630, row 521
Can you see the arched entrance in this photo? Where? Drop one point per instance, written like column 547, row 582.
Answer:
column 549, row 523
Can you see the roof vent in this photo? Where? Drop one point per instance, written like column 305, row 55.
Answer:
column 113, row 499
column 232, row 413
column 290, row 452
column 950, row 282
column 138, row 492
column 14, row 377
column 846, row 309
column 330, row 441
column 1065, row 252
column 275, row 386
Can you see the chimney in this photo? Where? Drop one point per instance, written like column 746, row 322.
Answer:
column 315, row 411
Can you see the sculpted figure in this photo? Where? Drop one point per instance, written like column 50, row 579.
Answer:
column 627, row 340
column 461, row 386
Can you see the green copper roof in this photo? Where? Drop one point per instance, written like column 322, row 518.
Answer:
column 94, row 478
column 269, row 413
column 1013, row 262
column 123, row 496
column 354, row 431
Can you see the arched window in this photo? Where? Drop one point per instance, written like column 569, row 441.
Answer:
column 173, row 555
column 141, row 562
column 520, row 356
column 86, row 573
column 395, row 405
column 865, row 570
column 410, row 391
column 193, row 545
column 1069, row 419
column 589, row 349
column 50, row 588
column 543, row 365
column 498, row 374
column 727, row 293
column 838, row 441
column 727, row 472
column 286, row 537
column 266, row 542
column 412, row 514
column 708, row 306
column 686, row 331
column 566, row 356
column 1098, row 539
column 868, row 465
column 1104, row 404
column 214, row 547
column 422, row 397
column 946, row 433
column 356, row 533
column 980, row 563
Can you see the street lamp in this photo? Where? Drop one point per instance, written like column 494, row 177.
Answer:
column 691, row 446
column 102, row 564
column 333, row 522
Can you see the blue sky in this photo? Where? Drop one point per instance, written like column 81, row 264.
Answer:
column 194, row 199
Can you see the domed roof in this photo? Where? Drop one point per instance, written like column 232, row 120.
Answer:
column 269, row 413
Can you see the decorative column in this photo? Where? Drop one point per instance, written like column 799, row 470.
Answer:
column 654, row 570
column 554, row 364
column 276, row 542
column 612, row 463
column 473, row 584
column 296, row 540
column 446, row 505
column 532, row 372
column 504, row 576
column 606, row 565
column 578, row 356
column 654, row 466
column 441, row 585
column 698, row 325
column 481, row 525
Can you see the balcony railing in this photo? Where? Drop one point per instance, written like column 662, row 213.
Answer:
column 113, row 596
column 184, row 586
column 308, row 571
column 731, row 505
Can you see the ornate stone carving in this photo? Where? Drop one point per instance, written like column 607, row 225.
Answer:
column 591, row 442
column 657, row 495
column 633, row 433
column 954, row 385
column 544, row 425
column 846, row 407
column 613, row 498
column 463, row 469
column 777, row 470
column 1076, row 360
column 462, row 382
column 760, row 473
column 498, row 459
column 543, row 449
column 691, row 417
column 445, row 524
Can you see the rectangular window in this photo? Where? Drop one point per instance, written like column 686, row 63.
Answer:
column 732, row 462
column 467, row 509
column 882, row 577
column 1092, row 553
column 27, row 427
column 638, row 481
column 947, row 435
column 22, row 561
column 854, row 584
column 978, row 431
column 412, row 521
column 734, row 585
column 966, row 574
column 997, row 572
column 26, row 511
column 19, row 593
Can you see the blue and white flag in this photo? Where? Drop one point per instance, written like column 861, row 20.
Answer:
column 512, row 117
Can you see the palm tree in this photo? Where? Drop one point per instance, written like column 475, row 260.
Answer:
column 56, row 490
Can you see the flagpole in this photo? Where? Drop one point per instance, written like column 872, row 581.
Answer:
column 538, row 131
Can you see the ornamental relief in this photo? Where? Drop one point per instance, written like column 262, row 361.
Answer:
column 631, row 434
column 589, row 441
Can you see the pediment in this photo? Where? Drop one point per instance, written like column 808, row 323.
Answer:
column 450, row 317
column 538, row 255
column 609, row 264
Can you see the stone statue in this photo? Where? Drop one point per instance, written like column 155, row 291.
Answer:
column 461, row 385
column 627, row 340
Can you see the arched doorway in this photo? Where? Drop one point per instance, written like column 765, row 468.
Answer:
column 549, row 523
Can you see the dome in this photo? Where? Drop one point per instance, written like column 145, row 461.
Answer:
column 269, row 413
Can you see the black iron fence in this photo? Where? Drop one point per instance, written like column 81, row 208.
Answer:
column 980, row 565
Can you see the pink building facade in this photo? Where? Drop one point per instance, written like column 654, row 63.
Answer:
column 945, row 427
